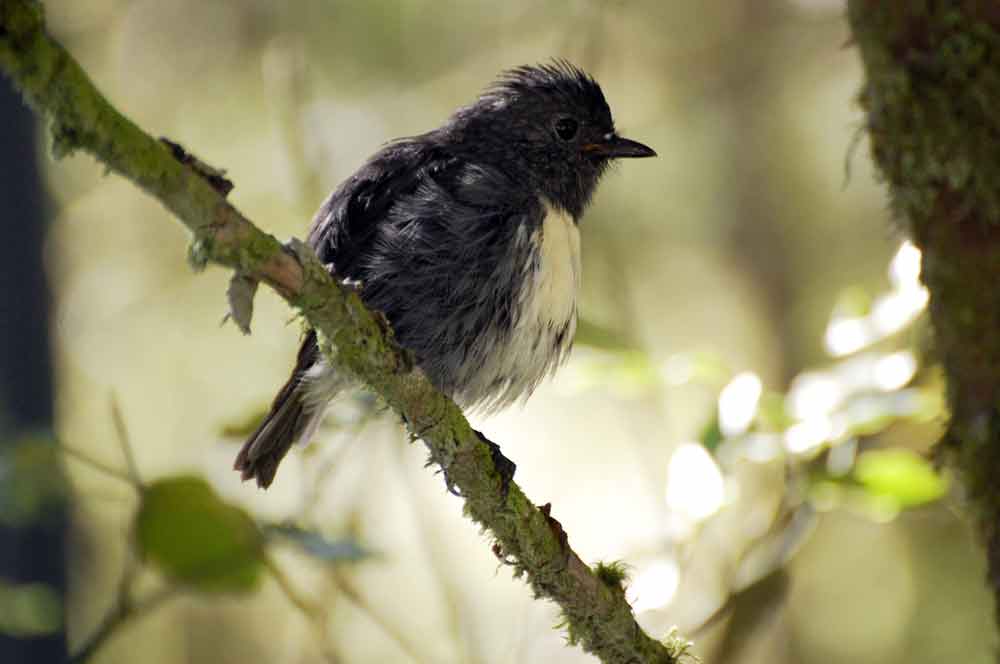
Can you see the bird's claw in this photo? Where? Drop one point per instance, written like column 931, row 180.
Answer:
column 504, row 466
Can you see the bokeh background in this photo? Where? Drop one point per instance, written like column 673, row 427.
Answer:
column 745, row 421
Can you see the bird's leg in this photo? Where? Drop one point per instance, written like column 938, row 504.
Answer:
column 504, row 466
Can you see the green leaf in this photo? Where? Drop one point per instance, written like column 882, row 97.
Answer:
column 901, row 475
column 871, row 425
column 711, row 435
column 196, row 539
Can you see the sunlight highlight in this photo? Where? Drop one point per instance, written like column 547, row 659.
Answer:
column 814, row 394
column 890, row 312
column 678, row 369
column 846, row 335
column 808, row 435
column 655, row 586
column 904, row 270
column 895, row 370
column 695, row 487
column 894, row 311
column 738, row 403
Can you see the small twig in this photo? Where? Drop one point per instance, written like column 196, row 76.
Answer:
column 105, row 496
column 307, row 606
column 313, row 491
column 100, row 466
column 359, row 602
column 444, row 580
column 116, row 618
column 124, row 442
column 314, row 612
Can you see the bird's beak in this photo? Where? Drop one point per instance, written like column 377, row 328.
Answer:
column 615, row 147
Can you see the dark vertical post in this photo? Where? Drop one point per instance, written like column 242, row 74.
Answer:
column 32, row 553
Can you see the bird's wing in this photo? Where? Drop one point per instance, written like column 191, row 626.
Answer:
column 411, row 182
column 438, row 243
column 346, row 224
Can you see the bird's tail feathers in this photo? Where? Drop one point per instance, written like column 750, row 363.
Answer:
column 292, row 418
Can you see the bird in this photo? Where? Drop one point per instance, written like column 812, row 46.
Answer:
column 466, row 238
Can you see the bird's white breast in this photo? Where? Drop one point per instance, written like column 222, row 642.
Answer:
column 544, row 317
column 552, row 296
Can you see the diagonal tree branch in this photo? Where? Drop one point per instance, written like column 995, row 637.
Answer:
column 356, row 341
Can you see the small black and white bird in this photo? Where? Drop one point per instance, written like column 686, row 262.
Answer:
column 466, row 239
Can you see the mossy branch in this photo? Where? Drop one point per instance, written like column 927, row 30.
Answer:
column 931, row 96
column 596, row 614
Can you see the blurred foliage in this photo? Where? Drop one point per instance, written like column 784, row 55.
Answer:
column 899, row 475
column 31, row 481
column 826, row 411
column 196, row 539
column 199, row 542
column 243, row 426
column 29, row 609
column 815, row 430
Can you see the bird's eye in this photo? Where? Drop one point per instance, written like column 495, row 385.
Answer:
column 566, row 128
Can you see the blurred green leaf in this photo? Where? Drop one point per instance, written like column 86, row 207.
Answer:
column 711, row 434
column 32, row 484
column 931, row 404
column 872, row 425
column 853, row 301
column 318, row 546
column 195, row 538
column 241, row 427
column 772, row 413
column 899, row 474
column 589, row 333
column 629, row 373
column 705, row 367
column 635, row 373
column 29, row 610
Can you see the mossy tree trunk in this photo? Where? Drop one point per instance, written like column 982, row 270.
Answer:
column 932, row 98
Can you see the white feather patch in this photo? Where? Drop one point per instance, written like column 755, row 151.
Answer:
column 544, row 318
column 558, row 276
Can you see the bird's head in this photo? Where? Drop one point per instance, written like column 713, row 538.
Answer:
column 551, row 125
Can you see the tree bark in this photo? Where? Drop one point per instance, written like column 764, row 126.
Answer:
column 931, row 96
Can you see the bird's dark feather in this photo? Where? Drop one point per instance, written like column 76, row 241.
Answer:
column 430, row 237
column 465, row 238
